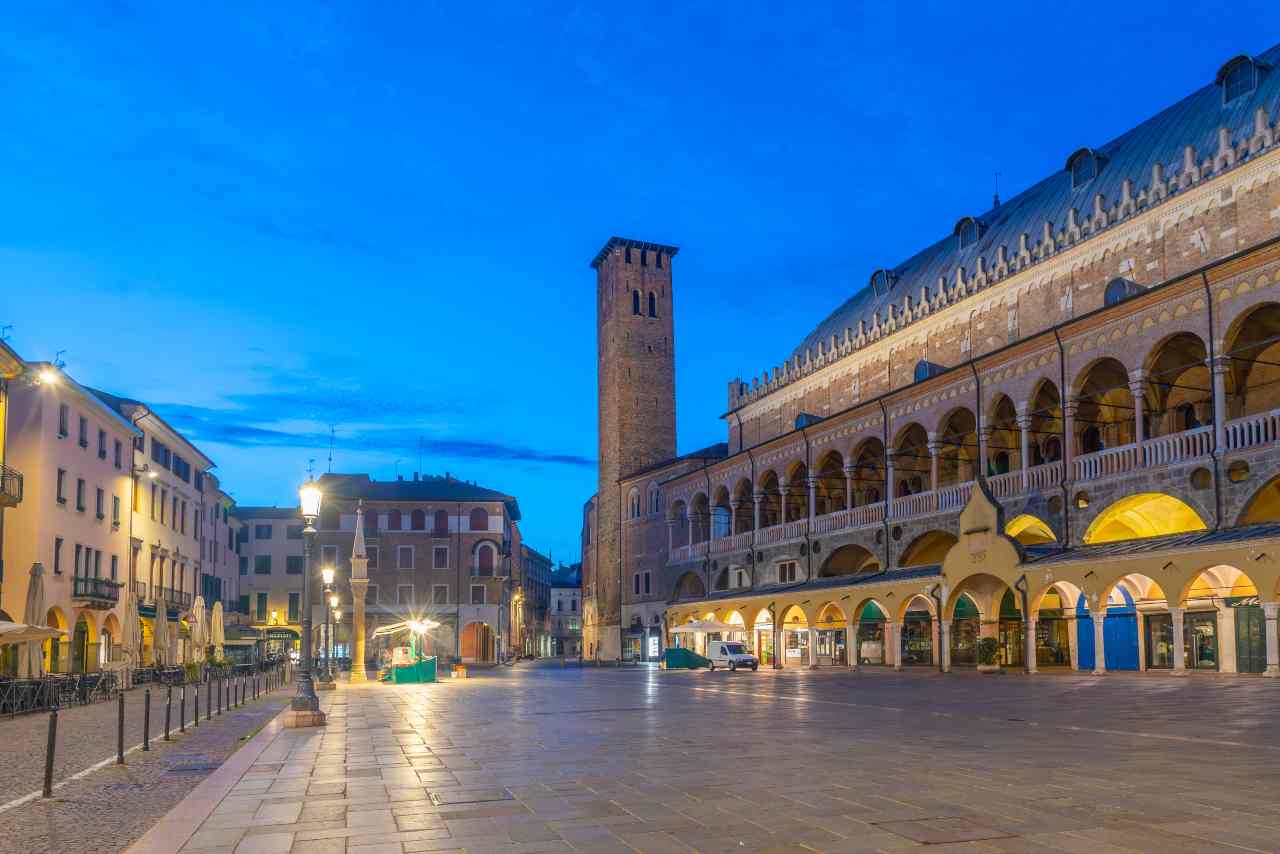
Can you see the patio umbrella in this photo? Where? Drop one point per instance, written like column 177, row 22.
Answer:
column 31, row 663
column 160, row 635
column 199, row 628
column 132, row 629
column 217, row 635
column 11, row 633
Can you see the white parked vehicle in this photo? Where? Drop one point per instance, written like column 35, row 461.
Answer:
column 730, row 654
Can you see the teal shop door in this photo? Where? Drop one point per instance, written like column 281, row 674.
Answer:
column 1251, row 640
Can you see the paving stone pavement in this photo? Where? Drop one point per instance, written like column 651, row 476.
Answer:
column 113, row 806
column 530, row 759
column 86, row 734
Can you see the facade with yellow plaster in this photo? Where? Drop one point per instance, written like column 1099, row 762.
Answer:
column 1055, row 427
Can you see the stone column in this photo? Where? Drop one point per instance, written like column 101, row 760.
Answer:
column 756, row 500
column 733, row 516
column 944, row 645
column 671, row 535
column 1029, row 643
column 888, row 486
column 1138, row 388
column 851, row 644
column 984, row 453
column 813, row 648
column 849, row 472
column 784, row 491
column 1024, row 434
column 935, row 447
column 1218, row 367
column 1069, row 409
column 1099, row 644
column 813, row 500
column 1271, row 611
column 358, row 588
column 1179, row 646
column 893, row 640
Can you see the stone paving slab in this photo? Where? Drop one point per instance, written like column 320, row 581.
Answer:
column 626, row 760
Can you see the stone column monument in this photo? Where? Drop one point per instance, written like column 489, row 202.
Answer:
column 359, row 584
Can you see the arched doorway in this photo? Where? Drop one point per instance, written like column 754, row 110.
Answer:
column 477, row 643
column 1056, row 626
column 1223, row 626
column 108, row 640
column 871, row 621
column 762, row 637
column 84, row 645
column 57, row 651
column 832, row 637
column 966, row 629
column 917, row 647
column 794, row 640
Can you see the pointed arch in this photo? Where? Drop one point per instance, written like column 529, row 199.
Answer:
column 1147, row 514
column 928, row 549
column 1029, row 530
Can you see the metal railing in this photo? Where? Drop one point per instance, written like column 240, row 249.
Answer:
column 102, row 589
column 10, row 486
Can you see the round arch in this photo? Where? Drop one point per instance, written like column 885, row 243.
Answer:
column 1105, row 413
column 929, row 548
column 56, row 650
column 796, row 500
column 1177, row 391
column 958, row 447
column 770, row 491
column 1045, row 410
column 1253, row 349
column 84, row 642
column 478, row 643
column 868, row 472
column 830, row 492
column 1004, row 445
column 699, row 518
column 1147, row 514
column 849, row 559
column 912, row 467
column 1029, row 530
column 1263, row 506
column 690, row 586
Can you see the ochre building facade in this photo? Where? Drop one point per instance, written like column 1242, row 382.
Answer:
column 1056, row 427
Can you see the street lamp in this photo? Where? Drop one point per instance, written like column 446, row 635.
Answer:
column 305, row 708
column 333, row 627
column 326, row 575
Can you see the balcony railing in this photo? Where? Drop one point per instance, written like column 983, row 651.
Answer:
column 1253, row 430
column 1178, row 447
column 1106, row 463
column 10, row 487
column 734, row 543
column 97, row 590
column 914, row 505
column 680, row 554
column 954, row 497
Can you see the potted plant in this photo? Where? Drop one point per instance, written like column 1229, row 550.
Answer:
column 988, row 655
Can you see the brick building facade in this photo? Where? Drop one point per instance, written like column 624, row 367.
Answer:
column 1091, row 365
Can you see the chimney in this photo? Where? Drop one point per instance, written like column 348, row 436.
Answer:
column 399, row 477
column 415, row 475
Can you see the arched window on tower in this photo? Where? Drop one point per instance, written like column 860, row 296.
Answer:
column 653, row 304
column 635, row 302
column 484, row 559
column 418, row 520
column 479, row 519
column 394, row 520
column 441, row 523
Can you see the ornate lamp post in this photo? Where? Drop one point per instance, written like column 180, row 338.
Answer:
column 326, row 674
column 305, row 709
column 333, row 628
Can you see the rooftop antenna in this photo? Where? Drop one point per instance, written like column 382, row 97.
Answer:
column 419, row 453
column 311, row 468
column 5, row 331
column 995, row 201
column 397, row 468
column 58, row 361
column 330, row 449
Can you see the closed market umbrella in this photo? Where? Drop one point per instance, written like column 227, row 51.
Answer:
column 199, row 628
column 217, row 634
column 132, row 639
column 160, row 635
column 31, row 664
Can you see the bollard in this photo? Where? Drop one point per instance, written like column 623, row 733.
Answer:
column 182, row 709
column 208, row 700
column 146, row 720
column 168, row 712
column 48, row 756
column 120, row 732
column 221, row 685
column 195, row 719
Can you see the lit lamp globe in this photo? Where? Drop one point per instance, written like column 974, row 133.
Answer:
column 333, row 603
column 309, row 498
column 326, row 575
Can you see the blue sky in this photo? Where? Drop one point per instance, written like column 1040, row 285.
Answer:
column 278, row 217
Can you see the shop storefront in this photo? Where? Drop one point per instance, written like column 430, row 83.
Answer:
column 764, row 643
column 278, row 641
column 966, row 628
column 917, row 637
column 1053, row 633
column 831, row 647
column 1119, row 634
column 871, row 635
column 1012, row 645
column 796, row 650
column 1199, row 640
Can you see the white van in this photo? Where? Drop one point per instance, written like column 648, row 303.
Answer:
column 730, row 654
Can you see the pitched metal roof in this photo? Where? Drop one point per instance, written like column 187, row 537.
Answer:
column 1122, row 548
column 1194, row 121
column 718, row 451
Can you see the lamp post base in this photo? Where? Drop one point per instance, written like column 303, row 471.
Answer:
column 297, row 719
column 321, row 685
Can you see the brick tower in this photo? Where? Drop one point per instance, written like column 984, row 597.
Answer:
column 637, row 411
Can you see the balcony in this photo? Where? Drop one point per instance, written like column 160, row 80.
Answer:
column 10, row 487
column 1252, row 431
column 100, row 593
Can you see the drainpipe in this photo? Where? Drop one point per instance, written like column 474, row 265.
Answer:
column 982, row 457
column 935, row 593
column 1219, row 418
column 457, row 554
column 711, row 518
column 884, row 442
column 1021, row 586
column 1066, row 450
column 808, row 534
column 751, row 457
